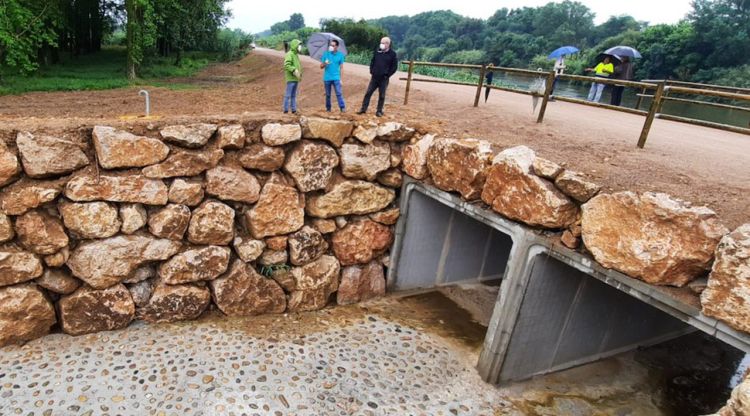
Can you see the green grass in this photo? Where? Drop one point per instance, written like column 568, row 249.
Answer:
column 104, row 70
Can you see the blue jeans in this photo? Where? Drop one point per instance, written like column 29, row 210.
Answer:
column 595, row 93
column 339, row 96
column 290, row 96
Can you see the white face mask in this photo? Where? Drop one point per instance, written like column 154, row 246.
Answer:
column 330, row 48
column 299, row 48
column 382, row 46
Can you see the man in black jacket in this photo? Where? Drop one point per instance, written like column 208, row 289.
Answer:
column 383, row 64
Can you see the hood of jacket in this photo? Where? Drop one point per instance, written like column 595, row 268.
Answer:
column 294, row 44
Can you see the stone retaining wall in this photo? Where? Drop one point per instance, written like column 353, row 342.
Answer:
column 162, row 222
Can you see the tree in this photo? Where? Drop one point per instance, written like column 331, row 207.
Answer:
column 26, row 26
column 140, row 33
column 296, row 21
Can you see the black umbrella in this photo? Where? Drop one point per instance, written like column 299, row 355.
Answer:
column 614, row 58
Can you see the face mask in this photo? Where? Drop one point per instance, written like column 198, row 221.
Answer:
column 330, row 48
column 299, row 48
column 382, row 46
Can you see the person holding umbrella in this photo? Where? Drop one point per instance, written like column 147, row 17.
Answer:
column 333, row 63
column 292, row 75
column 603, row 70
column 624, row 72
column 383, row 65
column 559, row 56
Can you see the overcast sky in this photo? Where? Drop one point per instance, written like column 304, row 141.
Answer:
column 251, row 18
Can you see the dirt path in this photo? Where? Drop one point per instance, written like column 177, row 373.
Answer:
column 704, row 166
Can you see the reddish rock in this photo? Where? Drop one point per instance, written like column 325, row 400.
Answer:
column 415, row 157
column 361, row 241
column 25, row 314
column 44, row 156
column 247, row 248
column 186, row 192
column 365, row 161
column 274, row 134
column 90, row 219
column 212, row 223
column 231, row 137
column 277, row 243
column 134, row 217
column 392, row 178
column 306, row 245
column 460, row 165
column 569, row 240
column 18, row 266
column 41, row 233
column 387, row 217
column 9, row 166
column 575, row 186
column 192, row 135
column 132, row 187
column 170, row 303
column 170, row 222
column 311, row 165
column 324, row 226
column 258, row 156
column 58, row 281
column 232, row 184
column 28, row 194
column 117, row 149
column 651, row 236
column 58, row 259
column 88, row 310
column 333, row 131
column 361, row 283
column 313, row 284
column 243, row 292
column 350, row 198
column 195, row 264
column 185, row 163
column 279, row 211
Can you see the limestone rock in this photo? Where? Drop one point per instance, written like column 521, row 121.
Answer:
column 141, row 293
column 186, row 192
column 365, row 161
column 134, row 217
column 6, row 228
column 361, row 241
column 387, row 217
column 739, row 402
column 392, row 178
column 546, row 169
column 25, row 314
column 131, row 187
column 58, row 281
column 361, row 283
column 170, row 222
column 243, row 292
column 727, row 296
column 140, row 274
column 195, row 264
column 348, row 198
column 415, row 157
column 395, row 132
column 231, row 137
column 324, row 226
column 575, row 186
column 258, row 156
column 88, row 310
column 397, row 154
column 513, row 191
column 314, row 283
column 90, row 219
column 44, row 156
column 58, row 259
column 306, row 245
column 279, row 211
column 212, row 223
column 185, row 163
column 232, row 184
column 18, row 266
column 311, row 165
column 274, row 134
column 192, row 135
column 273, row 257
column 41, row 233
column 651, row 236
column 103, row 263
column 341, row 222
column 460, row 165
column 277, row 243
column 333, row 131
column 119, row 149
column 569, row 240
column 172, row 303
column 28, row 194
column 9, row 166
column 365, row 134
column 248, row 249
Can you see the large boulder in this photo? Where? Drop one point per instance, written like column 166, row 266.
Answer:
column 18, row 266
column 88, row 220
column 515, row 192
column 25, row 314
column 365, row 161
column 460, row 165
column 170, row 222
column 248, row 249
column 313, row 284
column 306, row 245
column 231, row 137
column 280, row 210
column 244, row 292
column 232, row 184
column 117, row 149
column 333, row 131
column 395, row 132
column 44, row 156
column 261, row 157
column 727, row 296
column 186, row 192
column 172, row 303
column 103, row 263
column 88, row 185
column 274, row 134
column 185, row 163
column 212, row 223
column 195, row 264
column 351, row 197
column 576, row 186
column 651, row 236
column 134, row 217
column 58, row 281
column 311, row 165
column 366, row 134
column 361, row 283
column 361, row 241
column 26, row 194
column 89, row 310
column 192, row 135
column 41, row 233
column 9, row 166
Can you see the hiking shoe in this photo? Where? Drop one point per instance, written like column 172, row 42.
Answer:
column 286, row 112
column 343, row 110
column 379, row 114
column 361, row 112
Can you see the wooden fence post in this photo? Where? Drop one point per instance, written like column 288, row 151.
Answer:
column 655, row 105
column 547, row 93
column 640, row 99
column 479, row 85
column 408, row 82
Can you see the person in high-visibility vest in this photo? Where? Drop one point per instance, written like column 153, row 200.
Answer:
column 603, row 70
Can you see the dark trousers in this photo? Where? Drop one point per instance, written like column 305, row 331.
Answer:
column 616, row 95
column 376, row 83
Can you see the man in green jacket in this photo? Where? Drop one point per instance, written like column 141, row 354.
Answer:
column 292, row 75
